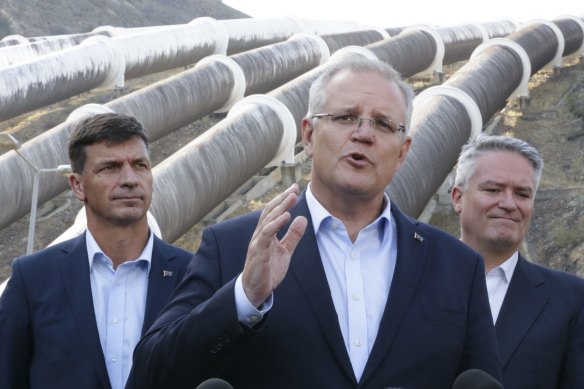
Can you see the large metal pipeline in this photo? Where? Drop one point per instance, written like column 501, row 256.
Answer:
column 13, row 54
column 162, row 108
column 572, row 32
column 57, row 76
column 441, row 125
column 63, row 74
column 499, row 29
column 268, row 67
column 460, row 42
column 294, row 98
column 361, row 38
column 248, row 34
column 410, row 52
column 442, row 121
column 214, row 187
column 150, row 51
column 191, row 182
column 540, row 43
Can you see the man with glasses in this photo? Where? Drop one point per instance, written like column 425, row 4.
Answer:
column 335, row 287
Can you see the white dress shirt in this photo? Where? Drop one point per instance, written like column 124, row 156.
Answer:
column 119, row 300
column 498, row 280
column 359, row 276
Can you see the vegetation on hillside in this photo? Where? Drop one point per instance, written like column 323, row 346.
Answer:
column 31, row 18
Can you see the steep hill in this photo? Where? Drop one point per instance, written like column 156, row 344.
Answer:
column 37, row 18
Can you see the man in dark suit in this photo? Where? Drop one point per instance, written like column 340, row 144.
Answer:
column 334, row 288
column 71, row 314
column 538, row 312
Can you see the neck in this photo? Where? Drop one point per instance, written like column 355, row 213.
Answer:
column 355, row 212
column 492, row 257
column 121, row 244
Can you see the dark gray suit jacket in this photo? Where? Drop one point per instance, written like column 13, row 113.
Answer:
column 48, row 331
column 540, row 329
column 436, row 324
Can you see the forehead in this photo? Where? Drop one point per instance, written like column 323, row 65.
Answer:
column 133, row 148
column 504, row 167
column 365, row 90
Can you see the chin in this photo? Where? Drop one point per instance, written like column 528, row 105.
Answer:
column 127, row 218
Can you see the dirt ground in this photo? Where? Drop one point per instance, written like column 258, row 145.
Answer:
column 550, row 122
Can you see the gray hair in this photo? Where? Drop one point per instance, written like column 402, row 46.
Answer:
column 356, row 63
column 486, row 143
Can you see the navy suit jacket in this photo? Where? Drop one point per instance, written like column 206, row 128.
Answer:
column 48, row 331
column 540, row 329
column 437, row 322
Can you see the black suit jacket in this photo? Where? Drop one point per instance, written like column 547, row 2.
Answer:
column 436, row 324
column 48, row 331
column 540, row 329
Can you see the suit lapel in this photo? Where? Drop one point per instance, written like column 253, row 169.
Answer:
column 411, row 259
column 306, row 265
column 522, row 305
column 74, row 269
column 162, row 280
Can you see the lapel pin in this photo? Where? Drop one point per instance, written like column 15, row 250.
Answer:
column 418, row 237
column 166, row 273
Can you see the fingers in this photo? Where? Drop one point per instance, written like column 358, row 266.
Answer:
column 294, row 234
column 275, row 216
column 279, row 204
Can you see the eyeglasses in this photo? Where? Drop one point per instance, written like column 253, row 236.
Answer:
column 385, row 126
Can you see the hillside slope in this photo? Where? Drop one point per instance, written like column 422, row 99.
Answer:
column 37, row 18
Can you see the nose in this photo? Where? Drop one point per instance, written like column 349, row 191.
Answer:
column 363, row 132
column 128, row 177
column 507, row 201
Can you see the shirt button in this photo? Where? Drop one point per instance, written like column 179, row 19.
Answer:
column 355, row 297
column 353, row 255
column 358, row 342
column 254, row 318
column 114, row 359
column 116, row 320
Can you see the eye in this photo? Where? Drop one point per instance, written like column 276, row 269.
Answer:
column 384, row 126
column 108, row 168
column 345, row 119
column 524, row 195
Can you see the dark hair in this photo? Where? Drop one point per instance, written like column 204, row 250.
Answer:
column 111, row 128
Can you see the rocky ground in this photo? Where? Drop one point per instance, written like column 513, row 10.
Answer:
column 553, row 122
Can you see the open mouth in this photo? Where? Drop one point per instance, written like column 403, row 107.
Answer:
column 358, row 158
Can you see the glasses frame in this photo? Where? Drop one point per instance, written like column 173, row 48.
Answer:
column 400, row 128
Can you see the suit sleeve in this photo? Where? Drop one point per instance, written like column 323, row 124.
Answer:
column 481, row 349
column 195, row 332
column 573, row 366
column 15, row 333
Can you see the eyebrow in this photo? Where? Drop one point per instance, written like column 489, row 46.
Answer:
column 497, row 183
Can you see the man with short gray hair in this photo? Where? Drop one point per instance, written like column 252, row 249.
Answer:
column 538, row 312
column 335, row 287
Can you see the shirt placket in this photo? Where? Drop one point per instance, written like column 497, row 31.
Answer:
column 115, row 327
column 358, row 347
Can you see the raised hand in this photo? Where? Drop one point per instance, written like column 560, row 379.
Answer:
column 268, row 258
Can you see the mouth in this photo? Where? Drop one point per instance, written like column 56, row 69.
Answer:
column 130, row 198
column 505, row 218
column 358, row 159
